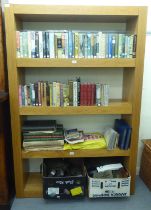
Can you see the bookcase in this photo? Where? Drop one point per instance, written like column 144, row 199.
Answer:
column 29, row 184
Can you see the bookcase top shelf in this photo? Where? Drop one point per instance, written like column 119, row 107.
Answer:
column 76, row 10
column 74, row 13
column 74, row 153
column 74, row 62
column 113, row 108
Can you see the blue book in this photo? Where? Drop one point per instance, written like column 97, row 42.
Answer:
column 121, row 129
column 128, row 134
column 70, row 44
column 110, row 46
column 124, row 131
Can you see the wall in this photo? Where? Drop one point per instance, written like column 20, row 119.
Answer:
column 145, row 130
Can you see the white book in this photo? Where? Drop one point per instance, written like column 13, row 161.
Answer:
column 98, row 94
column 29, row 43
column 75, row 93
column 40, row 45
column 32, row 33
column 51, row 44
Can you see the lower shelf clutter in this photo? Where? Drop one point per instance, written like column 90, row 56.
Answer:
column 77, row 178
column 63, row 178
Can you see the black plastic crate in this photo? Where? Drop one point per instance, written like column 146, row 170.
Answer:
column 66, row 186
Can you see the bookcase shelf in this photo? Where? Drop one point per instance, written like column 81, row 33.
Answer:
column 33, row 185
column 75, row 153
column 134, row 21
column 81, row 62
column 113, row 108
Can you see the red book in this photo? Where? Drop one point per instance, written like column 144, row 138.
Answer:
column 81, row 94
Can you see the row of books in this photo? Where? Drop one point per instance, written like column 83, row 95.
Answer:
column 42, row 135
column 58, row 94
column 120, row 136
column 74, row 44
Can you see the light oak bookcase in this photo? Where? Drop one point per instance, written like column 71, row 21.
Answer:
column 30, row 184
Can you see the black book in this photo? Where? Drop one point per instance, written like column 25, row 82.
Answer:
column 39, row 125
column 37, row 44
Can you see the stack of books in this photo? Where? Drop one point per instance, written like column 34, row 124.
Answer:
column 42, row 135
column 124, row 130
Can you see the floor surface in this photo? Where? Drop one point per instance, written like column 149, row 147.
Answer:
column 140, row 201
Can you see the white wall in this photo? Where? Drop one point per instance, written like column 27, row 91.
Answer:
column 145, row 129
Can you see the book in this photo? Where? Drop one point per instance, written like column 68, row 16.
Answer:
column 124, row 131
column 128, row 134
column 111, row 137
column 37, row 125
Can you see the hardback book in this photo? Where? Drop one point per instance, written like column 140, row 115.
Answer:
column 37, row 125
column 124, row 131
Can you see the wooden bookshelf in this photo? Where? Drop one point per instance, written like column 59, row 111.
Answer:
column 134, row 19
column 33, row 185
column 44, row 62
column 113, row 108
column 75, row 153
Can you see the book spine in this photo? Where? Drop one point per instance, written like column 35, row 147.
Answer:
column 134, row 45
column 47, row 94
column 25, row 44
column 20, row 95
column 103, row 45
column 51, row 94
column 109, row 45
column 120, row 46
column 61, row 95
column 37, row 44
column 70, row 82
column 32, row 33
column 85, row 46
column 54, row 94
column 32, row 94
column 63, row 45
column 44, row 44
column 113, row 45
column 76, row 41
column 51, row 45
column 98, row 94
column 29, row 43
column 116, row 45
column 106, row 45
column 97, row 45
column 47, row 44
column 70, row 46
column 89, row 45
column 65, row 95
column 66, row 44
column 18, row 44
column 75, row 93
column 23, row 95
column 92, row 45
column 81, row 95
column 57, row 94
column 40, row 44
column 21, row 44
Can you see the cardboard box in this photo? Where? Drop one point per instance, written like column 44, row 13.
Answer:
column 114, row 187
column 145, row 169
column 63, row 187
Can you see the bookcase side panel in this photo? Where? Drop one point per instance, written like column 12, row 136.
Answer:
column 13, row 94
column 137, row 91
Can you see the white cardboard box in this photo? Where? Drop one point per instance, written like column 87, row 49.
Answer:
column 115, row 187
